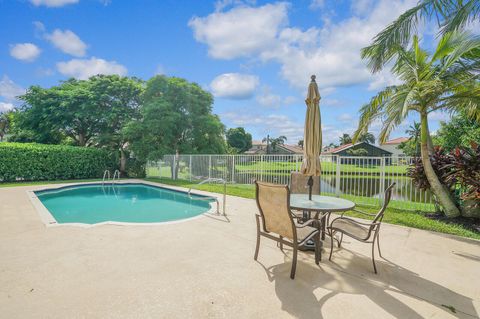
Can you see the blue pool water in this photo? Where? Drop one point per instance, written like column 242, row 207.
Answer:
column 133, row 203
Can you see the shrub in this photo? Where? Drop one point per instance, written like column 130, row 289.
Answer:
column 29, row 161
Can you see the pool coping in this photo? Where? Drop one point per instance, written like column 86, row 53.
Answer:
column 50, row 221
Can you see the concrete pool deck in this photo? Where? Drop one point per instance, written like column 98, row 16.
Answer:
column 204, row 268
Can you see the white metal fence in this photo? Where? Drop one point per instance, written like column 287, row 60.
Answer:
column 362, row 179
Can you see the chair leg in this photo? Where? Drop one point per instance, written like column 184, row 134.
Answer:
column 378, row 245
column 318, row 249
column 294, row 261
column 258, row 239
column 331, row 244
column 373, row 255
column 324, row 227
column 340, row 241
column 281, row 244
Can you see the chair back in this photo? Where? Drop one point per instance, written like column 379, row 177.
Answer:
column 273, row 202
column 298, row 184
column 386, row 200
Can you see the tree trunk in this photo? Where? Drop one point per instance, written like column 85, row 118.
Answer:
column 81, row 140
column 123, row 162
column 438, row 189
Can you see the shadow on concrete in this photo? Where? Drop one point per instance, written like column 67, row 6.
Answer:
column 353, row 275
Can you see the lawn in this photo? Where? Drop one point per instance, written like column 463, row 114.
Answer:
column 415, row 219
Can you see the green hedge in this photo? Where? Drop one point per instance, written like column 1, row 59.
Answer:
column 32, row 162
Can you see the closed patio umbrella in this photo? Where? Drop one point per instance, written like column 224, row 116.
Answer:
column 312, row 139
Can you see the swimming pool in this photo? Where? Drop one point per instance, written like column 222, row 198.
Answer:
column 128, row 203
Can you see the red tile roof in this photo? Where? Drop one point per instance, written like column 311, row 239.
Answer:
column 396, row 141
column 339, row 148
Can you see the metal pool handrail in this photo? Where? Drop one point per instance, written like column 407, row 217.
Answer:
column 106, row 173
column 218, row 180
column 117, row 174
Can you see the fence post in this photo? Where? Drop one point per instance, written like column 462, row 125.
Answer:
column 209, row 166
column 261, row 168
column 190, row 169
column 382, row 180
column 160, row 168
column 337, row 176
column 233, row 168
column 174, row 173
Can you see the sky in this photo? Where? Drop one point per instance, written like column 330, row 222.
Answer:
column 255, row 57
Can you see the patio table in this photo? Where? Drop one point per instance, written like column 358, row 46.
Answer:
column 322, row 206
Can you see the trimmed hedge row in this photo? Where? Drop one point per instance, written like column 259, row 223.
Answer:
column 32, row 162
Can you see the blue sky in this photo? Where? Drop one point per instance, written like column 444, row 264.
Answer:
column 256, row 57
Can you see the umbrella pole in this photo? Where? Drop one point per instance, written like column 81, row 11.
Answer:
column 310, row 186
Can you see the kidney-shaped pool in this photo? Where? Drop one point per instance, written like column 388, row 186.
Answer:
column 130, row 203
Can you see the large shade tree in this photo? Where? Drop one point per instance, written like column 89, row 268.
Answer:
column 446, row 80
column 240, row 140
column 175, row 117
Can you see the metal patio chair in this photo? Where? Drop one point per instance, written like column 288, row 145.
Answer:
column 273, row 203
column 364, row 232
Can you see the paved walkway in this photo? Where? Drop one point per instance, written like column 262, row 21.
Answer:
column 204, row 268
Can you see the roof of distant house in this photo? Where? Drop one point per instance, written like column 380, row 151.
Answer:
column 397, row 140
column 338, row 148
column 257, row 142
column 292, row 148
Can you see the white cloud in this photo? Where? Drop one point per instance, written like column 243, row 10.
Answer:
column 316, row 4
column 345, row 117
column 52, row 3
column 332, row 52
column 27, row 52
column 234, row 86
column 160, row 70
column 222, row 4
column 85, row 68
column 272, row 124
column 4, row 107
column 9, row 90
column 68, row 42
column 439, row 116
column 269, row 99
column 361, row 7
column 242, row 31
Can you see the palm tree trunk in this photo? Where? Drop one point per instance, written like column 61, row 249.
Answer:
column 438, row 189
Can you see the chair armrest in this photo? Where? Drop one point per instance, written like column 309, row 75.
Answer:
column 307, row 223
column 364, row 213
column 354, row 221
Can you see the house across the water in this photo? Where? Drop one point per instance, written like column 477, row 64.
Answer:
column 260, row 148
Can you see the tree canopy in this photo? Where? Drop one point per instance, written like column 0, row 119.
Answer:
column 176, row 117
column 240, row 140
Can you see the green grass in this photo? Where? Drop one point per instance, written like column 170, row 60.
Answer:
column 393, row 215
column 415, row 219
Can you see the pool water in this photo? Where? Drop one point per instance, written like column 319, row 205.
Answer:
column 132, row 203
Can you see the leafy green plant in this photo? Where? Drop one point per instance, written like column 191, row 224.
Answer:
column 465, row 170
column 31, row 162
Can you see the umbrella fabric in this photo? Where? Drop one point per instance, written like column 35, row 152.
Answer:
column 312, row 140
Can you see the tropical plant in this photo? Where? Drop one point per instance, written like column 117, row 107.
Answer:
column 357, row 152
column 445, row 80
column 450, row 16
column 345, row 139
column 459, row 131
column 300, row 143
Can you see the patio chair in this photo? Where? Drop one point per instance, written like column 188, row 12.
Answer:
column 273, row 203
column 364, row 232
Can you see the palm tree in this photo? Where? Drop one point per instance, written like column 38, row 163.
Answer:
column 450, row 15
column 367, row 137
column 414, row 132
column 446, row 80
column 273, row 142
column 345, row 139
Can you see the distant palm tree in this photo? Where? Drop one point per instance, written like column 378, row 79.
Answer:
column 450, row 15
column 367, row 137
column 345, row 139
column 445, row 80
column 300, row 143
column 414, row 132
